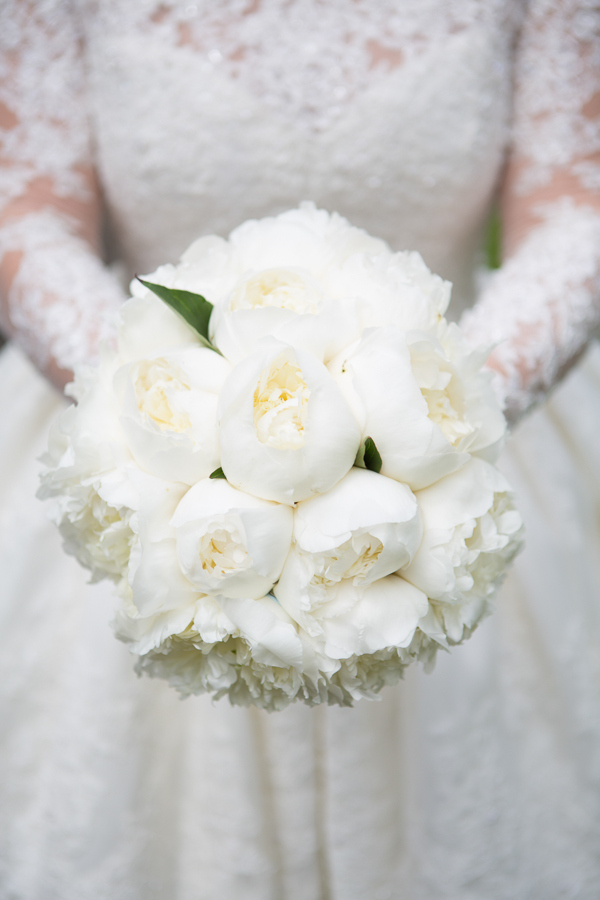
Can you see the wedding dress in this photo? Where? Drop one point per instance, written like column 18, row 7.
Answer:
column 480, row 781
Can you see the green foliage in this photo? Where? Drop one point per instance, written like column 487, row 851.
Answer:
column 493, row 239
column 368, row 456
column 193, row 308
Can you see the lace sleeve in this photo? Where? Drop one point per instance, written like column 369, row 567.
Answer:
column 543, row 304
column 57, row 296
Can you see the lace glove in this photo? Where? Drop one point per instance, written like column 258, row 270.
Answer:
column 543, row 305
column 58, row 297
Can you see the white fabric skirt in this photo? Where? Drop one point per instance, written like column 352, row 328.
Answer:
column 480, row 781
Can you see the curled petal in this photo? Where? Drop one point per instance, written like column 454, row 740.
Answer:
column 168, row 409
column 266, row 627
column 384, row 614
column 286, row 431
column 229, row 542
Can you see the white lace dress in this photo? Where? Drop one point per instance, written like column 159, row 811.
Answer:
column 480, row 781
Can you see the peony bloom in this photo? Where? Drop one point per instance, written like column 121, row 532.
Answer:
column 288, row 304
column 156, row 581
column 307, row 238
column 370, row 618
column 210, row 538
column 267, row 629
column 263, row 626
column 168, row 406
column 87, row 461
column 424, row 403
column 392, row 289
column 256, row 656
column 471, row 533
column 286, row 431
column 96, row 525
column 363, row 529
column 229, row 542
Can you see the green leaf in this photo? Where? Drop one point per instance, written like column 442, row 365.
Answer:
column 493, row 239
column 368, row 456
column 193, row 308
column 218, row 473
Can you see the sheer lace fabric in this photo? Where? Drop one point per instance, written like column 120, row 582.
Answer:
column 62, row 298
column 59, row 303
column 544, row 304
column 557, row 111
column 42, row 90
column 542, row 307
column 308, row 61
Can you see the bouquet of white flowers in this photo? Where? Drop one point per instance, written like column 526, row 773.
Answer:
column 287, row 467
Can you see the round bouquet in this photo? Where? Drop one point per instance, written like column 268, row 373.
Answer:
column 286, row 465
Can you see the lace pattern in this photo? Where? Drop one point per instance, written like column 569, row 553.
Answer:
column 62, row 298
column 542, row 306
column 557, row 117
column 45, row 131
column 308, row 60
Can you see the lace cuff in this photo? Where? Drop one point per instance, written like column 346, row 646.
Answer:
column 541, row 307
column 62, row 299
column 58, row 303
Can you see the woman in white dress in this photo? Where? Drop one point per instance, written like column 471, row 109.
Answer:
column 165, row 120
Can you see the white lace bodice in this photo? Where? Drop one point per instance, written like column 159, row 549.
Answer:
column 397, row 114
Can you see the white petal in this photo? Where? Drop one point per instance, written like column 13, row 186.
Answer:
column 463, row 495
column 229, row 542
column 324, row 334
column 386, row 614
column 274, row 641
column 379, row 375
column 327, row 446
column 362, row 501
column 186, row 449
column 149, row 632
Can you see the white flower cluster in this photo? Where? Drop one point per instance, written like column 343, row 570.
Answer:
column 302, row 501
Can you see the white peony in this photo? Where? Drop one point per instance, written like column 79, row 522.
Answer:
column 363, row 529
column 364, row 619
column 97, row 532
column 229, row 542
column 286, row 431
column 307, row 237
column 424, row 403
column 85, row 464
column 168, row 411
column 209, row 539
column 392, row 289
column 288, row 304
column 254, row 656
column 261, row 624
column 471, row 533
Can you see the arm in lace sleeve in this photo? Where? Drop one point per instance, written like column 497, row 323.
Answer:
column 56, row 295
column 542, row 306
